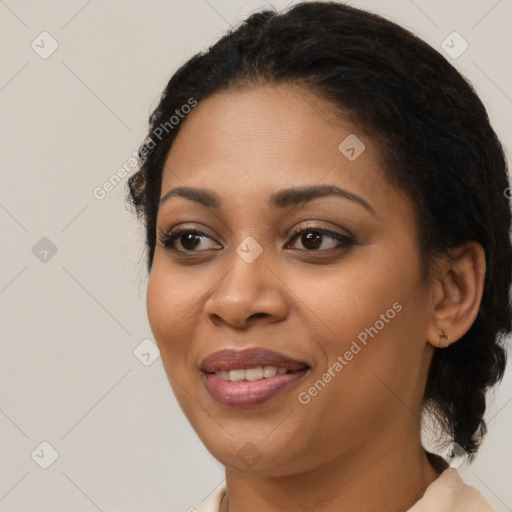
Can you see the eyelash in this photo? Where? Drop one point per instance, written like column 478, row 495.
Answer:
column 344, row 241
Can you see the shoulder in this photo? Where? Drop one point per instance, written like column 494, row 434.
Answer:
column 449, row 493
column 213, row 503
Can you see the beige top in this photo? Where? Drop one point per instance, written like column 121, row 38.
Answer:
column 447, row 493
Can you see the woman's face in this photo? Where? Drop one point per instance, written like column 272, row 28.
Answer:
column 341, row 304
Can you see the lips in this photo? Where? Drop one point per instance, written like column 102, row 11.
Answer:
column 223, row 365
column 228, row 359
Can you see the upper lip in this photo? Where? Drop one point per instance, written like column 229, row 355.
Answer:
column 230, row 359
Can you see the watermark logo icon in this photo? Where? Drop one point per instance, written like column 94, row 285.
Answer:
column 455, row 455
column 249, row 454
column 44, row 455
column 454, row 45
column 44, row 250
column 146, row 352
column 351, row 147
column 44, row 45
column 249, row 249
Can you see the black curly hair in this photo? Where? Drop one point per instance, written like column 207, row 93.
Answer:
column 435, row 139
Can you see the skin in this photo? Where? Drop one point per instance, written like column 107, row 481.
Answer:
column 356, row 444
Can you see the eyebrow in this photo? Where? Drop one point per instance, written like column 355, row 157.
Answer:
column 283, row 199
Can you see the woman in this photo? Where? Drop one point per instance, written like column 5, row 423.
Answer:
column 329, row 259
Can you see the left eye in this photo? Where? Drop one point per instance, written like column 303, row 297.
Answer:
column 312, row 238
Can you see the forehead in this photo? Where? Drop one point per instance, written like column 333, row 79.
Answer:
column 255, row 140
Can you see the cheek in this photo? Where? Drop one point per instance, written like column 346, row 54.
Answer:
column 171, row 304
column 372, row 321
column 159, row 304
column 172, row 314
column 352, row 297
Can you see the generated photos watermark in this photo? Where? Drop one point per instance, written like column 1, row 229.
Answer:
column 100, row 192
column 305, row 397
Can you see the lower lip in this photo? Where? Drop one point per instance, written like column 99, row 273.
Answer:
column 246, row 393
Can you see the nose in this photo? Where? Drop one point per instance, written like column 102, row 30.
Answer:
column 248, row 293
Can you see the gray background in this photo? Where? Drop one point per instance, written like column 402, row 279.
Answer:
column 72, row 319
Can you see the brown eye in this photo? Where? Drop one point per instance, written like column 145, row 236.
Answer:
column 313, row 239
column 188, row 239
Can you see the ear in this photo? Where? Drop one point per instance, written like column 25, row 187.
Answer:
column 457, row 293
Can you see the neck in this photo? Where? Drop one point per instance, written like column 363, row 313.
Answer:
column 385, row 481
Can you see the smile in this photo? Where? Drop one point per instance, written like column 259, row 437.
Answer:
column 249, row 377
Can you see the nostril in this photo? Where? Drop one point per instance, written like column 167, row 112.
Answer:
column 259, row 315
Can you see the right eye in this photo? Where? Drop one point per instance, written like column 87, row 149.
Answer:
column 189, row 239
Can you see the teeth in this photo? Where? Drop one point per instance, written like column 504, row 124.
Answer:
column 236, row 375
column 269, row 371
column 254, row 373
column 251, row 374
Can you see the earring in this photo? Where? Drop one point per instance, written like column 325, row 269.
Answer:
column 442, row 335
